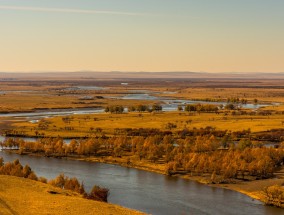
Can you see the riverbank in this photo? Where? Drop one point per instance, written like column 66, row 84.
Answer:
column 27, row 197
column 253, row 189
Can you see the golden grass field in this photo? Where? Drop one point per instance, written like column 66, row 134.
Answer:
column 19, row 196
column 19, row 102
column 263, row 95
column 27, row 95
column 52, row 95
column 83, row 124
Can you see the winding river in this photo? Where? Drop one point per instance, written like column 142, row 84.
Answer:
column 145, row 191
column 168, row 104
column 149, row 192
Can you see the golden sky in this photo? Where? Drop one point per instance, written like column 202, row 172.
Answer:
column 127, row 35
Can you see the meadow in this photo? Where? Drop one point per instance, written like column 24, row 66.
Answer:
column 108, row 124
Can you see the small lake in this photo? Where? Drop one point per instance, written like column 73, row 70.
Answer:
column 149, row 192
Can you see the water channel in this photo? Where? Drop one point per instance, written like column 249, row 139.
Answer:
column 149, row 192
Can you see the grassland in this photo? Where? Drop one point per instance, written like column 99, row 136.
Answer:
column 19, row 196
column 52, row 96
column 29, row 102
column 86, row 125
column 30, row 95
column 264, row 95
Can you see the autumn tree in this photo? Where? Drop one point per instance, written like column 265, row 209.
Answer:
column 1, row 161
column 99, row 194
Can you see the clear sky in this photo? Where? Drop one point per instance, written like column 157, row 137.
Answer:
column 142, row 35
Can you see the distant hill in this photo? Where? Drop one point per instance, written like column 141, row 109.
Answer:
column 136, row 75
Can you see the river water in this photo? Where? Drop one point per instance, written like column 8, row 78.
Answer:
column 168, row 104
column 149, row 192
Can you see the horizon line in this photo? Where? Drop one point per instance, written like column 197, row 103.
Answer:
column 69, row 10
column 114, row 71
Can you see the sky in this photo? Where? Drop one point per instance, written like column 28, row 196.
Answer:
column 142, row 35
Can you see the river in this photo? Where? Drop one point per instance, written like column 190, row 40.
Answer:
column 149, row 192
column 168, row 104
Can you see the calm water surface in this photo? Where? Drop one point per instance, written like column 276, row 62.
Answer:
column 149, row 192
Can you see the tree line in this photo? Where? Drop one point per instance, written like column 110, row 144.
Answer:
column 195, row 155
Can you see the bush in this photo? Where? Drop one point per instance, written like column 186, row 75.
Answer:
column 99, row 194
column 42, row 180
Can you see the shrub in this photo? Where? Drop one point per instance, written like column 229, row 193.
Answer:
column 99, row 194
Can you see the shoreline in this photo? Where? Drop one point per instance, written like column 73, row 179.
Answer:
column 256, row 194
column 252, row 189
column 27, row 197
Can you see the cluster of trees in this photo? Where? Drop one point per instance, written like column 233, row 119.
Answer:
column 138, row 108
column 114, row 109
column 274, row 195
column 233, row 104
column 140, row 132
column 145, row 108
column 67, row 183
column 256, row 163
column 201, row 132
column 200, row 108
column 64, row 182
column 237, row 100
column 16, row 169
column 200, row 154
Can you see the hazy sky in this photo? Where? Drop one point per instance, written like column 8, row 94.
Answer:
column 142, row 35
